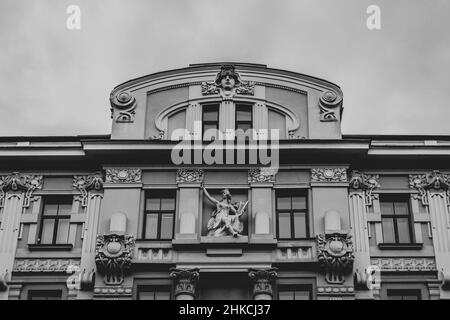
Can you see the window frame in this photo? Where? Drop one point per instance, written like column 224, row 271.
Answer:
column 393, row 198
column 159, row 194
column 295, row 287
column 205, row 108
column 279, row 193
column 154, row 287
column 236, row 121
column 56, row 218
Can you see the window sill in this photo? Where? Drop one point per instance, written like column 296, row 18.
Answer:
column 400, row 246
column 50, row 247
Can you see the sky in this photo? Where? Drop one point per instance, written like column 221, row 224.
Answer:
column 56, row 81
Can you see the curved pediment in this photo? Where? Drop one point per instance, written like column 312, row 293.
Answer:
column 312, row 107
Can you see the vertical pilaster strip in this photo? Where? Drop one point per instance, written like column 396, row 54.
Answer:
column 227, row 118
column 90, row 188
column 16, row 191
column 261, row 120
column 194, row 120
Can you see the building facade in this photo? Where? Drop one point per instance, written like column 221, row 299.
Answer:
column 175, row 205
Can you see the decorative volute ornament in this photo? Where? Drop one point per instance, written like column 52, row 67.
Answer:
column 430, row 181
column 17, row 182
column 228, row 83
column 114, row 251
column 366, row 183
column 125, row 104
column 328, row 102
column 262, row 282
column 335, row 249
column 185, row 281
column 84, row 184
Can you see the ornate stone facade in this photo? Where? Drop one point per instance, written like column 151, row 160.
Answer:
column 84, row 184
column 123, row 175
column 261, row 175
column 113, row 256
column 328, row 175
column 189, row 176
column 18, row 182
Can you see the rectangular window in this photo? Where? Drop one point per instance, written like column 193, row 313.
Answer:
column 298, row 292
column 159, row 215
column 153, row 293
column 55, row 220
column 44, row 294
column 404, row 294
column 292, row 215
column 243, row 117
column 210, row 120
column 395, row 219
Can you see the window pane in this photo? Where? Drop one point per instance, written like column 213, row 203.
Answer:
column 286, row 295
column 284, row 203
column 403, row 230
column 62, row 234
column 302, row 295
column 146, row 295
column 166, row 226
column 162, row 295
column 401, row 208
column 243, row 115
column 388, row 230
column 153, row 204
column 387, row 208
column 284, row 225
column 48, row 226
column 64, row 209
column 50, row 209
column 299, row 203
column 151, row 226
column 299, row 225
column 168, row 204
column 210, row 115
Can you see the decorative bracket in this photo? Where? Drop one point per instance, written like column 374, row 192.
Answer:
column 84, row 184
column 430, row 181
column 126, row 105
column 366, row 183
column 335, row 255
column 113, row 254
column 329, row 101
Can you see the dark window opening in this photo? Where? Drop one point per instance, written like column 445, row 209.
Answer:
column 44, row 294
column 395, row 219
column 295, row 292
column 243, row 118
column 153, row 293
column 55, row 220
column 159, row 216
column 404, row 294
column 292, row 215
column 210, row 120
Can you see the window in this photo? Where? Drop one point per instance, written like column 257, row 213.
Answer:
column 44, row 294
column 55, row 221
column 243, row 117
column 210, row 119
column 159, row 215
column 395, row 219
column 153, row 293
column 300, row 292
column 292, row 215
column 404, row 294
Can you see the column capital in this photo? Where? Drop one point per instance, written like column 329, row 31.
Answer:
column 262, row 278
column 185, row 281
column 18, row 182
column 84, row 184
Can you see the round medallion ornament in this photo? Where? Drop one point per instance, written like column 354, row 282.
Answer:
column 122, row 174
column 328, row 173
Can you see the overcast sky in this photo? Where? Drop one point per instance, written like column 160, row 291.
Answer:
column 56, row 81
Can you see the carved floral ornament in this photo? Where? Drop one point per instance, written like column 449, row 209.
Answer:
column 366, row 183
column 328, row 175
column 335, row 255
column 113, row 254
column 125, row 104
column 261, row 175
column 123, row 175
column 84, row 184
column 329, row 102
column 185, row 280
column 430, row 181
column 189, row 176
column 228, row 83
column 17, row 182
